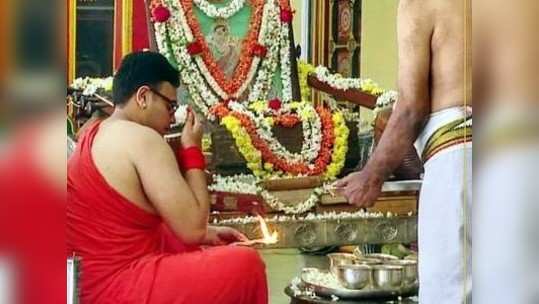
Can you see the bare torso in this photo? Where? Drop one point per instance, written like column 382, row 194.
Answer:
column 506, row 48
column 448, row 55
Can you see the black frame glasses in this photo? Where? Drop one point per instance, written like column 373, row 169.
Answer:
column 172, row 103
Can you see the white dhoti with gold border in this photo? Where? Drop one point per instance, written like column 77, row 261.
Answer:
column 444, row 228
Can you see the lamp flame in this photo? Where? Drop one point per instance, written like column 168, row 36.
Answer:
column 269, row 238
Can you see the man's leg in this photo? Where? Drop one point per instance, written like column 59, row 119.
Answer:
column 220, row 275
column 445, row 228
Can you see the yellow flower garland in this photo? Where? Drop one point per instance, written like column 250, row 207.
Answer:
column 304, row 69
column 245, row 146
column 340, row 147
column 253, row 157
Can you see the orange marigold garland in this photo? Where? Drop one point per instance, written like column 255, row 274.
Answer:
column 246, row 56
column 278, row 163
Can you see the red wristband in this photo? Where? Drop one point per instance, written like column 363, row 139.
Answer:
column 191, row 158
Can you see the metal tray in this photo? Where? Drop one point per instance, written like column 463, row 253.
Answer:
column 368, row 292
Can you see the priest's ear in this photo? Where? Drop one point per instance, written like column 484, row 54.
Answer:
column 142, row 96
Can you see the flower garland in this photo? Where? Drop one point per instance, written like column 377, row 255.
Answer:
column 284, row 40
column 264, row 162
column 267, row 45
column 246, row 56
column 304, row 69
column 268, row 67
column 89, row 86
column 387, row 99
column 338, row 82
column 181, row 31
column 307, row 115
column 248, row 184
column 340, row 147
column 278, row 163
column 224, row 12
column 172, row 43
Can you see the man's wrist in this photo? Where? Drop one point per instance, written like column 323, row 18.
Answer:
column 376, row 172
column 187, row 145
column 191, row 158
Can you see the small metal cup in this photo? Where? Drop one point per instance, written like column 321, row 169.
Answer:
column 353, row 276
column 338, row 259
column 387, row 276
column 368, row 261
column 409, row 270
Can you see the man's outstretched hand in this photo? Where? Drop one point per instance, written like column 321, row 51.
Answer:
column 361, row 188
column 218, row 236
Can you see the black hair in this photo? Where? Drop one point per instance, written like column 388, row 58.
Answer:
column 139, row 69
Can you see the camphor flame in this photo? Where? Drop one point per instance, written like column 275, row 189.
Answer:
column 268, row 238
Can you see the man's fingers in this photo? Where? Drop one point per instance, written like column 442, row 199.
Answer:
column 349, row 194
column 343, row 182
column 355, row 196
column 240, row 236
column 340, row 183
column 196, row 122
column 189, row 120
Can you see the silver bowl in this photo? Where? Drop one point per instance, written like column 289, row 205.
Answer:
column 381, row 256
column 353, row 276
column 409, row 270
column 387, row 276
column 338, row 259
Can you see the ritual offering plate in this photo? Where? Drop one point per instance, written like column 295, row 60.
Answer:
column 326, row 284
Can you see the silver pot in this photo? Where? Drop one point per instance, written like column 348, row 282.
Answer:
column 353, row 276
column 409, row 270
column 387, row 276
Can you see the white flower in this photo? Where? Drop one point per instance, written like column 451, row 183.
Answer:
column 387, row 99
column 180, row 115
column 224, row 12
column 89, row 86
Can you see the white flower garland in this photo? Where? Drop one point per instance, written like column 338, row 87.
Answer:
column 302, row 207
column 311, row 126
column 195, row 73
column 89, row 86
column 337, row 81
column 286, row 78
column 198, row 60
column 264, row 80
column 177, row 50
column 325, row 216
column 248, row 184
column 387, row 99
column 224, row 12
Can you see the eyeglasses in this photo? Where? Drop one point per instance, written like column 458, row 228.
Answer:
column 172, row 104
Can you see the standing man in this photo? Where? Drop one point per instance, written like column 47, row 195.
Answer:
column 506, row 74
column 433, row 110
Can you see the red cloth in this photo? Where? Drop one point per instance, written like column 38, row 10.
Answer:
column 191, row 158
column 129, row 256
column 32, row 225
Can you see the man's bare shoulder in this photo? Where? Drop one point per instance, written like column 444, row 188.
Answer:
column 134, row 136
